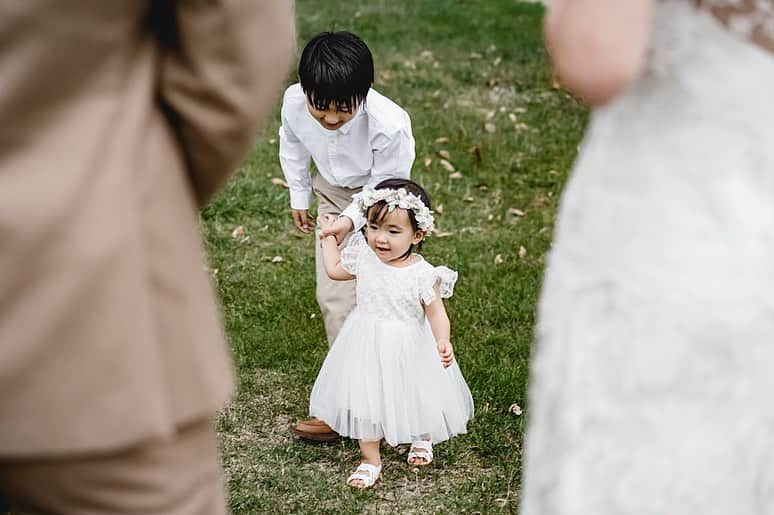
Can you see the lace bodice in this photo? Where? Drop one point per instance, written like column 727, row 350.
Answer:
column 752, row 19
column 391, row 292
column 681, row 28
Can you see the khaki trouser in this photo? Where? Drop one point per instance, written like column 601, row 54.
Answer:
column 335, row 298
column 178, row 476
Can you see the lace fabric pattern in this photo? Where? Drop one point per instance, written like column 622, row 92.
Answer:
column 745, row 17
column 651, row 373
column 394, row 292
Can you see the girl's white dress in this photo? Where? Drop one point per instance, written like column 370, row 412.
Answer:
column 383, row 377
column 653, row 374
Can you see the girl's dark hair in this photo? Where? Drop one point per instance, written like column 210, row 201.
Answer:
column 336, row 67
column 379, row 210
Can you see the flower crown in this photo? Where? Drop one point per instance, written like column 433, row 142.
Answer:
column 396, row 198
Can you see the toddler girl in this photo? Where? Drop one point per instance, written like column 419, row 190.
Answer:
column 390, row 373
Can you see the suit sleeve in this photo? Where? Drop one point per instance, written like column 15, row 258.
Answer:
column 222, row 65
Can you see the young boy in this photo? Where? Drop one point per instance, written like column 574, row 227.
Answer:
column 355, row 136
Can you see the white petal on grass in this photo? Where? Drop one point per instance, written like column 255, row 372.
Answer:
column 447, row 165
column 522, row 252
column 498, row 259
column 444, row 154
column 515, row 409
column 455, row 175
column 490, row 127
column 277, row 259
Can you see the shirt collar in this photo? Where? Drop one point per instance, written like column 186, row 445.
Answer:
column 344, row 129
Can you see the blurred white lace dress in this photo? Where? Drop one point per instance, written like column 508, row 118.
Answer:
column 383, row 376
column 652, row 388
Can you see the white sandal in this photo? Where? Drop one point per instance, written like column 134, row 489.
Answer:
column 420, row 449
column 366, row 473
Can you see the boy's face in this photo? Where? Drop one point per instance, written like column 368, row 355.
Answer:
column 331, row 118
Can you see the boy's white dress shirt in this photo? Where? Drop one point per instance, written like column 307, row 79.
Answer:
column 376, row 144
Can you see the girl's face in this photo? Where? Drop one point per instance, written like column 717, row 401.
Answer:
column 331, row 118
column 391, row 237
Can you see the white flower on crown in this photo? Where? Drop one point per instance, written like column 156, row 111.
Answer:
column 396, row 198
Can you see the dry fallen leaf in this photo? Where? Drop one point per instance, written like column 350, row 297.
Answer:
column 512, row 117
column 468, row 199
column 436, row 93
column 515, row 211
column 522, row 252
column 277, row 259
column 490, row 217
column 428, row 161
column 498, row 260
column 442, row 234
column 427, row 54
column 553, row 172
column 515, row 409
column 439, row 209
column 500, row 502
column 447, row 165
column 482, row 186
column 442, row 139
column 272, row 141
column 475, row 55
column 444, row 154
column 279, row 182
column 520, row 110
column 238, row 232
column 313, row 315
column 497, row 61
column 475, row 152
column 490, row 115
column 455, row 175
column 490, row 127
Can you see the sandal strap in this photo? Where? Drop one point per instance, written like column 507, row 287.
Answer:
column 421, row 449
column 367, row 473
column 425, row 445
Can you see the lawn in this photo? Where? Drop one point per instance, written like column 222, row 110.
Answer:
column 495, row 138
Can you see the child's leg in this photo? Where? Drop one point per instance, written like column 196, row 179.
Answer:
column 369, row 450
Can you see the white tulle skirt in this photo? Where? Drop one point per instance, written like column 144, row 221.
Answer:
column 384, row 379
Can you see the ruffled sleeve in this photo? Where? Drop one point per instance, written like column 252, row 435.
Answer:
column 350, row 254
column 444, row 277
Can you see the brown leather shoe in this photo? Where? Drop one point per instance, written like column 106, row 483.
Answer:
column 315, row 430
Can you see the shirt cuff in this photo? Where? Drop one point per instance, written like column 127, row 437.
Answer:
column 353, row 213
column 300, row 199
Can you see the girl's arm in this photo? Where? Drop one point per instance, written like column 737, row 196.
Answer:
column 439, row 323
column 332, row 260
column 598, row 46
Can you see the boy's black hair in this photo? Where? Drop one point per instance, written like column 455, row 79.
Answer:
column 378, row 211
column 337, row 68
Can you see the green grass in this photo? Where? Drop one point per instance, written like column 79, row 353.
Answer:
column 454, row 65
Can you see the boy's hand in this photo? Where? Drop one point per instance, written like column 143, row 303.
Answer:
column 339, row 227
column 446, row 352
column 325, row 222
column 302, row 220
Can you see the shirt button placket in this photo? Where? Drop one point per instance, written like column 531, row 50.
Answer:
column 332, row 148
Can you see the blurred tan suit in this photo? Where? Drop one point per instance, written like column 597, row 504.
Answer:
column 119, row 119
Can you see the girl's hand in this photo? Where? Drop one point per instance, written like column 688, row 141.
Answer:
column 446, row 352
